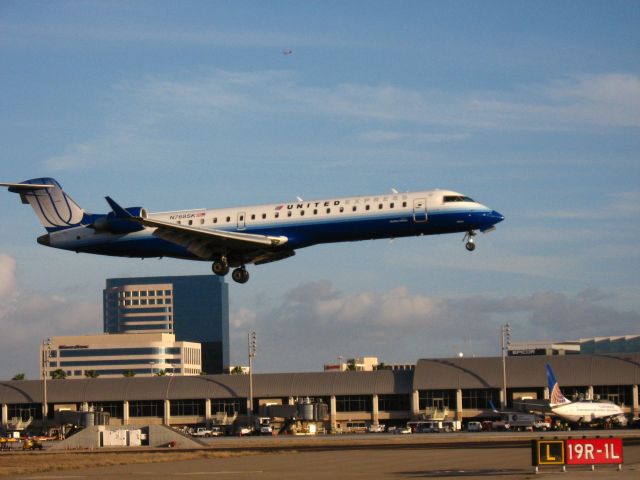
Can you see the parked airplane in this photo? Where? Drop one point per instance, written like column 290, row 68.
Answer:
column 582, row 411
column 235, row 237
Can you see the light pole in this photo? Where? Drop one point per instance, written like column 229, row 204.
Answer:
column 46, row 355
column 251, row 343
column 340, row 358
column 505, row 337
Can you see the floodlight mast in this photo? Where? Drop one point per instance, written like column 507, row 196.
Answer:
column 505, row 336
column 251, row 344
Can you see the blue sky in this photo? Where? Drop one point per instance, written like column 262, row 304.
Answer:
column 532, row 108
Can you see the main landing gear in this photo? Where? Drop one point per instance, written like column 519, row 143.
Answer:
column 221, row 267
column 471, row 243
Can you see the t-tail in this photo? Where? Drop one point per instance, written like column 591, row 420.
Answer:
column 55, row 209
column 555, row 395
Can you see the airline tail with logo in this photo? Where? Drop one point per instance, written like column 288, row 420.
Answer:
column 55, row 209
column 555, row 394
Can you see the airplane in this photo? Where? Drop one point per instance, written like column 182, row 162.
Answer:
column 236, row 237
column 581, row 411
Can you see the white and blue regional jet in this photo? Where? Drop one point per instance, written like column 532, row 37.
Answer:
column 235, row 237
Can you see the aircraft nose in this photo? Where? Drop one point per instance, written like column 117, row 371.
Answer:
column 497, row 216
column 44, row 240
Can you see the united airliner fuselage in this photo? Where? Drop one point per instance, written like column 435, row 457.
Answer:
column 235, row 237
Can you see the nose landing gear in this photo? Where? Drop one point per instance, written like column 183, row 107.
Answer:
column 471, row 243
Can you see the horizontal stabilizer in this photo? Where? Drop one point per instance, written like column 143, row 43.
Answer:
column 24, row 187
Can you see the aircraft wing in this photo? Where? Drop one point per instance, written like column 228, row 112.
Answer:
column 207, row 243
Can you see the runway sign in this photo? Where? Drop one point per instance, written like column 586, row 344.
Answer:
column 547, row 452
column 593, row 451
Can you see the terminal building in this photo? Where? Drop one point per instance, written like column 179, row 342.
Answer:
column 194, row 308
column 459, row 388
column 107, row 356
column 590, row 346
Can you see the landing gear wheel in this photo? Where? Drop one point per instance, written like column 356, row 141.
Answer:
column 240, row 275
column 220, row 267
column 471, row 243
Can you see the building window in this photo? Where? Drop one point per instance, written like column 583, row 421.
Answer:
column 143, row 294
column 167, row 292
column 618, row 394
column 25, row 411
column 127, row 294
column 190, row 408
column 437, row 399
column 229, row 406
column 115, row 409
column 479, row 398
column 354, row 403
column 146, row 408
column 394, row 403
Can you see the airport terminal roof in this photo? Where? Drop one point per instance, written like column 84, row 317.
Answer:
column 208, row 386
column 526, row 371
column 430, row 374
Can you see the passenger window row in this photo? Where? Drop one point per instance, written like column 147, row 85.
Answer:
column 315, row 211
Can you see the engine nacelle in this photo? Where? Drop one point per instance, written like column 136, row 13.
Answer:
column 114, row 224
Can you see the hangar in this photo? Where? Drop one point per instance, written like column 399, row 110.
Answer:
column 459, row 388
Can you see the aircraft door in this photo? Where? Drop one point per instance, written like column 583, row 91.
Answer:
column 419, row 210
column 242, row 223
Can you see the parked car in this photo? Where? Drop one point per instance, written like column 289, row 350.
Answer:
column 474, row 426
column 402, row 430
column 201, row 432
column 376, row 428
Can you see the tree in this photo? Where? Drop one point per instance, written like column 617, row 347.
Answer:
column 351, row 367
column 161, row 373
column 19, row 376
column 383, row 366
column 128, row 373
column 237, row 370
column 58, row 374
column 91, row 374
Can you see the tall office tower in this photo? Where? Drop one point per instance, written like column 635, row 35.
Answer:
column 195, row 308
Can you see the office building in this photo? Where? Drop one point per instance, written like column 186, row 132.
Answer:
column 108, row 356
column 194, row 308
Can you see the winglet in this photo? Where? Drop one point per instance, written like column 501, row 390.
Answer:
column 118, row 210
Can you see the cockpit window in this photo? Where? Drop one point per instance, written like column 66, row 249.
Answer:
column 457, row 198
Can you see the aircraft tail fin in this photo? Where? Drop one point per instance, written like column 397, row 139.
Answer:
column 55, row 209
column 555, row 395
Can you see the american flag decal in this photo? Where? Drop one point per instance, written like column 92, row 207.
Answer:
column 279, row 207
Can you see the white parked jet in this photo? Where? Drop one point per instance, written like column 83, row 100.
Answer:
column 582, row 411
column 235, row 237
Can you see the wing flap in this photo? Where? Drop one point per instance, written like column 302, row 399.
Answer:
column 206, row 243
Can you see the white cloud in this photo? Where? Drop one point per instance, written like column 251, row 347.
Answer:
column 314, row 323
column 142, row 112
column 27, row 318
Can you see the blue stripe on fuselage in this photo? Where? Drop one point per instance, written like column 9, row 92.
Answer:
column 307, row 232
